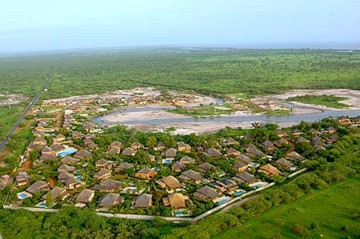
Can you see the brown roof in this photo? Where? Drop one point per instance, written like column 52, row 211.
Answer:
column 102, row 173
column 108, row 185
column 83, row 154
column 85, row 196
column 245, row 177
column 111, row 199
column 143, row 201
column 191, row 174
column 69, row 159
column 48, row 157
column 57, row 147
column 125, row 165
column 169, row 181
column 269, row 169
column 56, row 192
column 294, row 155
column 176, row 200
column 284, row 163
column 207, row 192
column 186, row 160
column 67, row 168
column 243, row 158
column 204, row 167
column 177, row 166
column 170, row 153
column 128, row 152
column 213, row 153
column 38, row 186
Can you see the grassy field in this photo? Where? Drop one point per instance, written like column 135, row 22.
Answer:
column 328, row 212
column 203, row 111
column 325, row 100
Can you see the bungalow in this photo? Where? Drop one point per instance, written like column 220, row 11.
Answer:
column 332, row 139
column 283, row 163
column 176, row 200
column 106, row 164
column 137, row 145
column 83, row 154
column 294, row 155
column 124, row 166
column 205, row 167
column 57, row 147
column 245, row 177
column 59, row 138
column 65, row 168
column 255, row 153
column 40, row 141
column 85, row 196
column 330, row 130
column 182, row 147
column 56, row 193
column 317, row 141
column 143, row 201
column 314, row 131
column 63, row 176
column 22, row 179
column 113, row 151
column 186, row 160
column 269, row 170
column 88, row 143
column 249, row 146
column 303, row 140
column 128, row 152
column 102, row 174
column 76, row 135
column 280, row 133
column 239, row 167
column 170, row 153
column 206, row 193
column 178, row 167
column 212, row 153
column 47, row 150
column 226, row 185
column 159, row 147
column 297, row 132
column 242, row 158
column 110, row 200
column 268, row 146
column 48, row 157
column 146, row 173
column 38, row 186
column 233, row 152
column 108, row 185
column 344, row 120
column 281, row 142
column 169, row 182
column 72, row 183
column 70, row 160
column 230, row 141
column 116, row 144
column 191, row 175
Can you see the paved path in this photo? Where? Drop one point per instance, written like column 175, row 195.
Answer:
column 31, row 104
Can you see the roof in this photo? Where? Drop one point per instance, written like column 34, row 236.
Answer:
column 110, row 200
column 239, row 165
column 57, row 147
column 246, row 177
column 72, row 180
column 170, row 153
column 69, row 159
column 143, row 201
column 178, row 166
column 191, row 174
column 108, row 184
column 128, row 152
column 55, row 192
column 243, row 158
column 85, row 196
column 116, row 144
column 284, row 163
column 102, row 172
column 208, row 192
column 169, row 181
column 270, row 169
column 213, row 153
column 125, row 166
column 63, row 176
column 294, row 155
column 48, row 157
column 146, row 170
column 177, row 200
column 38, row 186
column 255, row 152
column 186, row 160
column 83, row 154
column 65, row 167
column 204, row 167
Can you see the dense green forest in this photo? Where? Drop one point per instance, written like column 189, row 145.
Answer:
column 210, row 71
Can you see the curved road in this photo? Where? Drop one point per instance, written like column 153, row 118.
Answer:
column 31, row 104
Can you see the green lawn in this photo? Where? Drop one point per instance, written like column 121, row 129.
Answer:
column 325, row 100
column 328, row 212
column 202, row 111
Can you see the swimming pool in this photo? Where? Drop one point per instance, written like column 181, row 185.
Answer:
column 167, row 161
column 41, row 204
column 239, row 192
column 67, row 151
column 23, row 195
column 79, row 177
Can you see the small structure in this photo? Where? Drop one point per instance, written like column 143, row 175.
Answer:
column 83, row 154
column 22, row 179
column 56, row 193
column 206, row 193
column 233, row 152
column 85, row 196
column 283, row 163
column 191, row 175
column 110, row 200
column 226, row 185
column 102, row 174
column 130, row 152
column 239, row 167
column 143, row 201
column 294, row 155
column 205, row 167
column 176, row 200
column 170, row 153
column 146, row 173
column 38, row 186
column 169, row 182
column 137, row 145
column 108, row 185
column 182, row 147
column 70, row 160
column 178, row 167
column 244, row 177
column 269, row 170
column 213, row 153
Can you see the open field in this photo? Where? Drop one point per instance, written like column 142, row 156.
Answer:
column 329, row 101
column 325, row 214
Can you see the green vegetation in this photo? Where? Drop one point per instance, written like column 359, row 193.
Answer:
column 208, row 110
column 329, row 212
column 325, row 100
column 278, row 112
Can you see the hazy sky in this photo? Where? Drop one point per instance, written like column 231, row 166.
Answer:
column 59, row 24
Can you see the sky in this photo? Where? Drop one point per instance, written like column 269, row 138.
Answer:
column 66, row 24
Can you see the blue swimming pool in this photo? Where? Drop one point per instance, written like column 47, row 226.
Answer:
column 79, row 177
column 41, row 204
column 239, row 192
column 167, row 161
column 23, row 195
column 67, row 151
